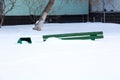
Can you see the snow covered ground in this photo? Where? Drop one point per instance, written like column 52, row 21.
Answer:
column 60, row 59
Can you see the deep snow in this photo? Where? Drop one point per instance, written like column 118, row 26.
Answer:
column 60, row 59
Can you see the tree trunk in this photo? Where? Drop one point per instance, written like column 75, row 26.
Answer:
column 41, row 20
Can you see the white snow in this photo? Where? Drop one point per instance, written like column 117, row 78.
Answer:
column 58, row 59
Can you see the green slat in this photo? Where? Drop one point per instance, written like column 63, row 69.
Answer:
column 79, row 38
column 76, row 36
column 82, row 38
column 73, row 34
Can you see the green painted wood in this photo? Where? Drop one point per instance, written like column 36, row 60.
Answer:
column 27, row 39
column 82, row 38
column 73, row 36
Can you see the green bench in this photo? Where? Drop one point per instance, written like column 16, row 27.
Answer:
column 27, row 39
column 76, row 36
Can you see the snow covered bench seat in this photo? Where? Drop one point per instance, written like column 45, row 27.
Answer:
column 76, row 36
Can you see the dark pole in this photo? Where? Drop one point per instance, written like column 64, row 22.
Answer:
column 104, row 10
column 1, row 6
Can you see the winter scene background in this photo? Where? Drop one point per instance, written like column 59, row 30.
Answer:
column 57, row 59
